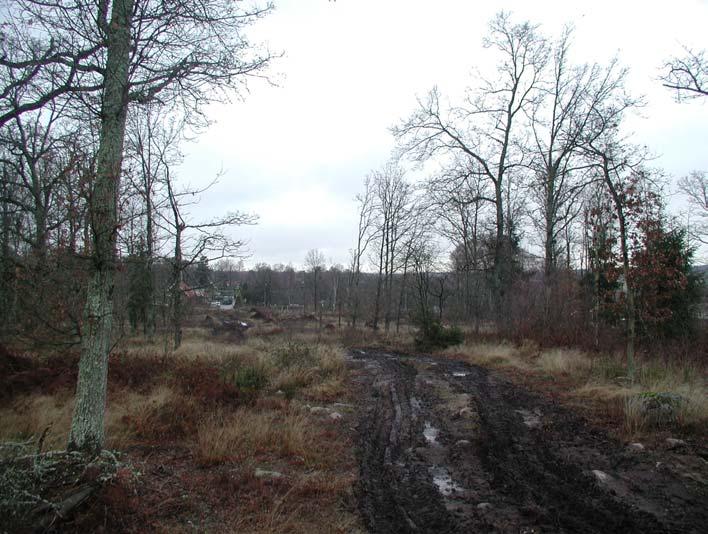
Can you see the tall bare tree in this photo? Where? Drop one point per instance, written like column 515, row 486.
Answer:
column 459, row 204
column 392, row 210
column 315, row 262
column 486, row 134
column 561, row 121
column 695, row 187
column 365, row 234
column 152, row 148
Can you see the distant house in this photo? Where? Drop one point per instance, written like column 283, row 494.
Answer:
column 192, row 294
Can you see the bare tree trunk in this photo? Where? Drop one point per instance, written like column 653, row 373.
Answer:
column 177, row 287
column 630, row 311
column 549, row 240
column 177, row 267
column 629, row 292
column 87, row 425
column 355, row 294
column 401, row 295
column 7, row 278
column 377, row 303
column 149, row 329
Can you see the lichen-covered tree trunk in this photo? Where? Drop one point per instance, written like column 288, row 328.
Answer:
column 87, row 425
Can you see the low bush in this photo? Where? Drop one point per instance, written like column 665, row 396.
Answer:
column 251, row 378
column 433, row 335
column 294, row 354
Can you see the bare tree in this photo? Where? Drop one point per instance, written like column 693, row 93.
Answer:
column 336, row 274
column 42, row 156
column 43, row 162
column 183, row 52
column 687, row 75
column 484, row 136
column 695, row 188
column 87, row 427
column 315, row 262
column 194, row 241
column 152, row 147
column 365, row 234
column 127, row 51
column 424, row 262
column 392, row 209
column 458, row 204
column 560, row 122
column 418, row 228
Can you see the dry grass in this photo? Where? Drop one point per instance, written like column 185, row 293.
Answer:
column 29, row 416
column 130, row 416
column 245, row 435
column 489, row 354
column 602, row 380
column 314, row 371
column 329, row 390
column 222, row 401
column 564, row 361
column 317, row 492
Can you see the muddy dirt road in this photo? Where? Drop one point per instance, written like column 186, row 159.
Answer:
column 449, row 447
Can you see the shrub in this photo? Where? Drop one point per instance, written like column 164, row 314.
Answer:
column 432, row 335
column 294, row 354
column 250, row 378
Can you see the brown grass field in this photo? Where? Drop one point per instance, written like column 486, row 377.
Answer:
column 238, row 434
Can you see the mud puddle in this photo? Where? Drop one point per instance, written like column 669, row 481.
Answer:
column 449, row 447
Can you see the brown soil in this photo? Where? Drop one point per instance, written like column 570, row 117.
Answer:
column 445, row 446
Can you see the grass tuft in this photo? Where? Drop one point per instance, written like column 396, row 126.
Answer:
column 564, row 361
column 245, row 435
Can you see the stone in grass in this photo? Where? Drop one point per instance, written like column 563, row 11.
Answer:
column 264, row 473
column 659, row 408
column 674, row 443
column 335, row 416
column 601, row 476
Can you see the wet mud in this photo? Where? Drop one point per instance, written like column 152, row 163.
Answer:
column 444, row 446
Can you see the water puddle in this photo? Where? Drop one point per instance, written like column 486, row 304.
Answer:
column 430, row 433
column 443, row 481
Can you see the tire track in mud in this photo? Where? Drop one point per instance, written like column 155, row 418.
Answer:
column 448, row 447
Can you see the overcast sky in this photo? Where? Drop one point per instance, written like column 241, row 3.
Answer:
column 296, row 154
